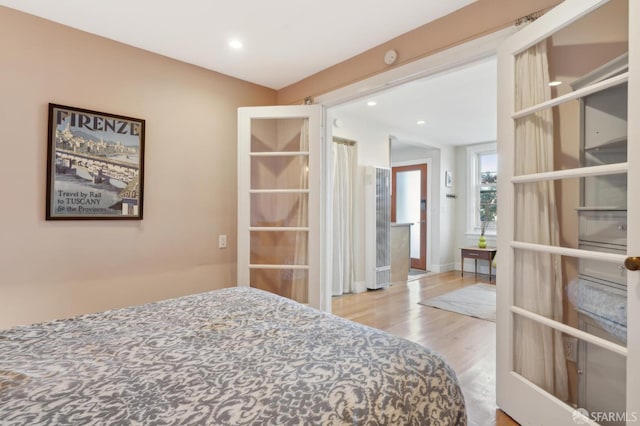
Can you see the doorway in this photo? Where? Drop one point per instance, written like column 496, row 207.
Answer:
column 409, row 205
column 377, row 138
column 425, row 120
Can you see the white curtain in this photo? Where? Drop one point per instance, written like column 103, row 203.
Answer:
column 300, row 282
column 539, row 354
column 344, row 156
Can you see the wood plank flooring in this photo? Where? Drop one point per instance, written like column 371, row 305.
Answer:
column 468, row 344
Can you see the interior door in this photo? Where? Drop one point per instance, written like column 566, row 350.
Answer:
column 409, row 205
column 551, row 326
column 279, row 184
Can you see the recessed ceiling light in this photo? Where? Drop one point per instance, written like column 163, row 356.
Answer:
column 555, row 83
column 420, row 122
column 235, row 44
column 372, row 103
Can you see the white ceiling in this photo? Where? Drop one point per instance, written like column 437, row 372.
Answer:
column 284, row 40
column 458, row 107
column 288, row 40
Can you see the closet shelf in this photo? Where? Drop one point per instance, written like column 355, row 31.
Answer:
column 601, row 208
column 616, row 144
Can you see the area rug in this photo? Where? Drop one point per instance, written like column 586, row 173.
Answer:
column 477, row 300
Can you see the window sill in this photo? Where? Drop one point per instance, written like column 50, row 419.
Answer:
column 488, row 235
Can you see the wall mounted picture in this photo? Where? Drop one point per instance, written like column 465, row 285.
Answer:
column 95, row 165
column 448, row 179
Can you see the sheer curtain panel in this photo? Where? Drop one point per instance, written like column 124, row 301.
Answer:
column 344, row 155
column 538, row 352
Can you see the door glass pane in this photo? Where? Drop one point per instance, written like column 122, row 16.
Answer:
column 278, row 135
column 587, row 44
column 279, row 210
column 278, row 248
column 285, row 282
column 585, row 375
column 408, row 205
column 574, row 219
column 586, row 288
column 574, row 144
column 279, row 172
column 605, row 191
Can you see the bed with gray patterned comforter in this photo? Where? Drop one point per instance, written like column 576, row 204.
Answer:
column 236, row 356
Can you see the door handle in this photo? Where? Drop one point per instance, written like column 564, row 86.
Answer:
column 632, row 263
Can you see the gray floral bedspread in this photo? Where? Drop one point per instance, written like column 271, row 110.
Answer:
column 236, row 356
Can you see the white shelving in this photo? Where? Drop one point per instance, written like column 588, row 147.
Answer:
column 601, row 298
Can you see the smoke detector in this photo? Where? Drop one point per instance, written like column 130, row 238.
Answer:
column 390, row 57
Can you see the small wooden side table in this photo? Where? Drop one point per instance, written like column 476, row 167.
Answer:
column 478, row 253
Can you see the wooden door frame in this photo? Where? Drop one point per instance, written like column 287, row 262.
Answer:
column 421, row 262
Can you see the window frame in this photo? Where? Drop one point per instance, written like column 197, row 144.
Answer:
column 473, row 187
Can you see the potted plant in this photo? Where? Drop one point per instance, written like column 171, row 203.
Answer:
column 482, row 242
column 487, row 215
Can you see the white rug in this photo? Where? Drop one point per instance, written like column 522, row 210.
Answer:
column 477, row 300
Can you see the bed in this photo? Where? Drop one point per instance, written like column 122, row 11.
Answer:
column 237, row 356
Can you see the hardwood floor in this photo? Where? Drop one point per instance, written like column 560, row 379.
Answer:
column 468, row 344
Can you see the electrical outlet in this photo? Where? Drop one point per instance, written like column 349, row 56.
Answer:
column 222, row 241
column 570, row 348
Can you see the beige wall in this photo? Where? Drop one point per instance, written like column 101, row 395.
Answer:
column 52, row 269
column 479, row 18
column 55, row 269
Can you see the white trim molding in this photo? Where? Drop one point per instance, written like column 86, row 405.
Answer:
column 473, row 151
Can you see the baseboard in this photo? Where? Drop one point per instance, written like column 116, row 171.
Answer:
column 359, row 286
column 446, row 267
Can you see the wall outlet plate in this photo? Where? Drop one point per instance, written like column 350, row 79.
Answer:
column 570, row 344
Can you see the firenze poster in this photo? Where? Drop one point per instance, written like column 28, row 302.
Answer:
column 95, row 165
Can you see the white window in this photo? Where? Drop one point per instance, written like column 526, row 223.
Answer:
column 482, row 169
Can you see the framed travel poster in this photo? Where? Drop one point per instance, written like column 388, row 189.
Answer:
column 94, row 165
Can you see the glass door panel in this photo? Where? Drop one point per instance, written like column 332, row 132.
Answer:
column 291, row 283
column 279, row 171
column 587, row 43
column 278, row 135
column 278, row 248
column 279, row 168
column 278, row 183
column 279, row 209
column 563, row 299
column 408, row 197
column 602, row 389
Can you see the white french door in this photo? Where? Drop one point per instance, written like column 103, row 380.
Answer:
column 568, row 321
column 279, row 189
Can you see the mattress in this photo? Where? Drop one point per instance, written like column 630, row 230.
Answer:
column 237, row 356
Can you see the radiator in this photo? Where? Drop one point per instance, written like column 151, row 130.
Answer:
column 377, row 227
